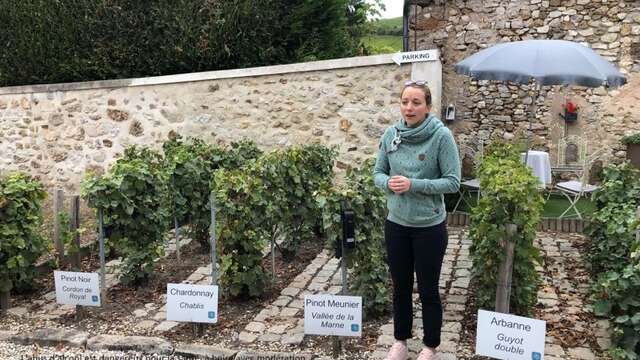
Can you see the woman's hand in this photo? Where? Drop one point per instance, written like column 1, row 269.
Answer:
column 399, row 184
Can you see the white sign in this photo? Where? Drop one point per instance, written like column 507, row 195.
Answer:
column 77, row 288
column 333, row 315
column 192, row 303
column 504, row 336
column 415, row 56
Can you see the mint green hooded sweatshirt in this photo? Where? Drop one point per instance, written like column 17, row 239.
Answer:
column 428, row 156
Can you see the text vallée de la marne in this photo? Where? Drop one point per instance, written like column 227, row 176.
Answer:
column 330, row 320
column 509, row 343
column 195, row 293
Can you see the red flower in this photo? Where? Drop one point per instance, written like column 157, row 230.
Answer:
column 571, row 107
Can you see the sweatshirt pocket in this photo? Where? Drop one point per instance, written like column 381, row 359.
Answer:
column 414, row 207
column 424, row 207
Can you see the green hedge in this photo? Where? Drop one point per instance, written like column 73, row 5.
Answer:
column 290, row 176
column 267, row 199
column 240, row 237
column 190, row 165
column 79, row 40
column 133, row 198
column 20, row 219
column 510, row 195
column 614, row 257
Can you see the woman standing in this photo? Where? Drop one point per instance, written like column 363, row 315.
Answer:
column 417, row 164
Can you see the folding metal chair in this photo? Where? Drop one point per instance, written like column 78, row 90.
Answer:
column 573, row 190
column 473, row 185
column 467, row 187
column 569, row 161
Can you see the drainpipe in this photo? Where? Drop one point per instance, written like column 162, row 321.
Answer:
column 405, row 26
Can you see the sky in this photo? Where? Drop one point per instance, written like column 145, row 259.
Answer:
column 394, row 8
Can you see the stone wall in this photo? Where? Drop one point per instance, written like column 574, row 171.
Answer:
column 460, row 28
column 57, row 132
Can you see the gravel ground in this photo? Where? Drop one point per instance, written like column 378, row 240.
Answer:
column 34, row 352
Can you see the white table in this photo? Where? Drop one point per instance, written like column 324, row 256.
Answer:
column 539, row 162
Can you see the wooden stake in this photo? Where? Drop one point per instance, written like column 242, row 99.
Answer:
column 58, row 200
column 5, row 301
column 74, row 225
column 503, row 291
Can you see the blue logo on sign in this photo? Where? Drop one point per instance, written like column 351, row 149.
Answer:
column 212, row 314
column 94, row 298
column 354, row 327
column 536, row 356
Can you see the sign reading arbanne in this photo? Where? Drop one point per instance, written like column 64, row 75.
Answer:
column 505, row 336
column 192, row 303
column 333, row 315
column 77, row 288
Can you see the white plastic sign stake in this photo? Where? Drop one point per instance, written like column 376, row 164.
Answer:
column 415, row 56
column 192, row 303
column 333, row 315
column 77, row 288
column 505, row 336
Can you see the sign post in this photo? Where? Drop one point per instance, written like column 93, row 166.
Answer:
column 175, row 218
column 509, row 337
column 346, row 244
column 103, row 285
column 214, row 273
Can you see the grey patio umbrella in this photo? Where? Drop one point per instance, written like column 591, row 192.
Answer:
column 547, row 62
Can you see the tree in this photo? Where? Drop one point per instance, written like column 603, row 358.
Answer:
column 79, row 40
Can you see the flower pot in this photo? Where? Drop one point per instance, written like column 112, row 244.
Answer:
column 570, row 116
column 633, row 154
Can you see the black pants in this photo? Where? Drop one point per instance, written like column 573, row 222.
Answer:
column 421, row 249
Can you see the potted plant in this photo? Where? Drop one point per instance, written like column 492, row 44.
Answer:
column 633, row 148
column 570, row 113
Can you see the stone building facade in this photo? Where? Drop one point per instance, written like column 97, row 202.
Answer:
column 459, row 28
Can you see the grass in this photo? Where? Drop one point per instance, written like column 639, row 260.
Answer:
column 553, row 207
column 387, row 26
column 385, row 36
column 383, row 44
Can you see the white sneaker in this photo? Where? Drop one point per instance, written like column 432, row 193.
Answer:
column 398, row 351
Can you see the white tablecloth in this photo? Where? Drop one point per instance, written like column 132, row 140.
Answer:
column 539, row 162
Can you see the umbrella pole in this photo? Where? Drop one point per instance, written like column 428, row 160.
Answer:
column 536, row 93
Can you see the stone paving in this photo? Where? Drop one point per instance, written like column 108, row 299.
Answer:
column 46, row 308
column 562, row 300
column 283, row 320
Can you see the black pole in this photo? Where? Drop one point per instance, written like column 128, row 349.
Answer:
column 405, row 26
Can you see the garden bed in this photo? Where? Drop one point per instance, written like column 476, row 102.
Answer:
column 117, row 316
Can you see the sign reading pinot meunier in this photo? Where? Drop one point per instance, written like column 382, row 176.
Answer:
column 77, row 288
column 505, row 336
column 192, row 303
column 333, row 315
